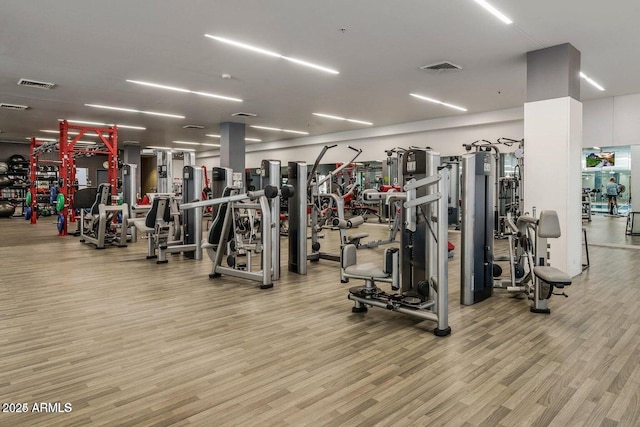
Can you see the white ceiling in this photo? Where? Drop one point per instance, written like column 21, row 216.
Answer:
column 89, row 48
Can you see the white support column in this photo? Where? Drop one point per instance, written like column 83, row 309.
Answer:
column 553, row 137
column 553, row 141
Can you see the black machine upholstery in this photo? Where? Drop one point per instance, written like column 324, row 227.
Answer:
column 150, row 219
column 216, row 228
column 103, row 196
column 85, row 198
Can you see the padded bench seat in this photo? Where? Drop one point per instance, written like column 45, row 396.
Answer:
column 367, row 270
column 139, row 223
column 552, row 275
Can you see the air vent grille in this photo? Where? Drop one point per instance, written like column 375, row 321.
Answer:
column 241, row 114
column 35, row 83
column 6, row 106
column 192, row 127
column 441, row 66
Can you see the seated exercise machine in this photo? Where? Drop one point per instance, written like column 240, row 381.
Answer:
column 330, row 203
column 187, row 223
column 104, row 223
column 532, row 235
column 155, row 224
column 418, row 270
column 233, row 232
column 527, row 241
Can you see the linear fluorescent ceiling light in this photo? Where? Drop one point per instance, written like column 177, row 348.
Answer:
column 591, row 81
column 435, row 101
column 177, row 89
column 196, row 143
column 132, row 110
column 246, row 139
column 68, row 133
column 85, row 122
column 280, row 130
column 42, row 139
column 271, row 53
column 169, row 148
column 495, row 12
column 596, row 148
column 186, row 142
column 328, row 116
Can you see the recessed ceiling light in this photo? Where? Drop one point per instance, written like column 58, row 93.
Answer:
column 131, row 110
column 591, row 81
column 186, row 142
column 210, row 145
column 271, row 53
column 495, row 12
column 85, row 122
column 177, row 89
column 158, row 148
column 435, row 101
column 280, row 130
column 246, row 139
column 329, row 116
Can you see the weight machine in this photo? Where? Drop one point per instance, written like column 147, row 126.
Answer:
column 104, row 223
column 235, row 216
column 476, row 266
column 270, row 176
column 532, row 234
column 417, row 271
column 335, row 204
column 191, row 220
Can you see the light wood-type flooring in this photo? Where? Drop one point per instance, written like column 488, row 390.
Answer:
column 128, row 342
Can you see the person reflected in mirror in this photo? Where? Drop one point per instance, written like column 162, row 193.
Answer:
column 612, row 195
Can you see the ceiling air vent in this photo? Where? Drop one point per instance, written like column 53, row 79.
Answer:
column 6, row 106
column 441, row 66
column 192, row 127
column 241, row 114
column 35, row 83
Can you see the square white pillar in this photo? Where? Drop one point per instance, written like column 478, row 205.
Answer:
column 552, row 173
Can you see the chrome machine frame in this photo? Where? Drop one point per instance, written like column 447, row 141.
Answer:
column 424, row 250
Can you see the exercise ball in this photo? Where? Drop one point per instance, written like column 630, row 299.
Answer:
column 6, row 210
column 5, row 181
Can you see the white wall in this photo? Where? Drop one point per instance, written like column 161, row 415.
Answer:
column 612, row 121
column 444, row 135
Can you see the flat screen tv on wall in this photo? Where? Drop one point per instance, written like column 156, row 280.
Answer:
column 598, row 160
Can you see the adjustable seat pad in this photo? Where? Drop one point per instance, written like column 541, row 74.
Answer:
column 552, row 276
column 366, row 271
